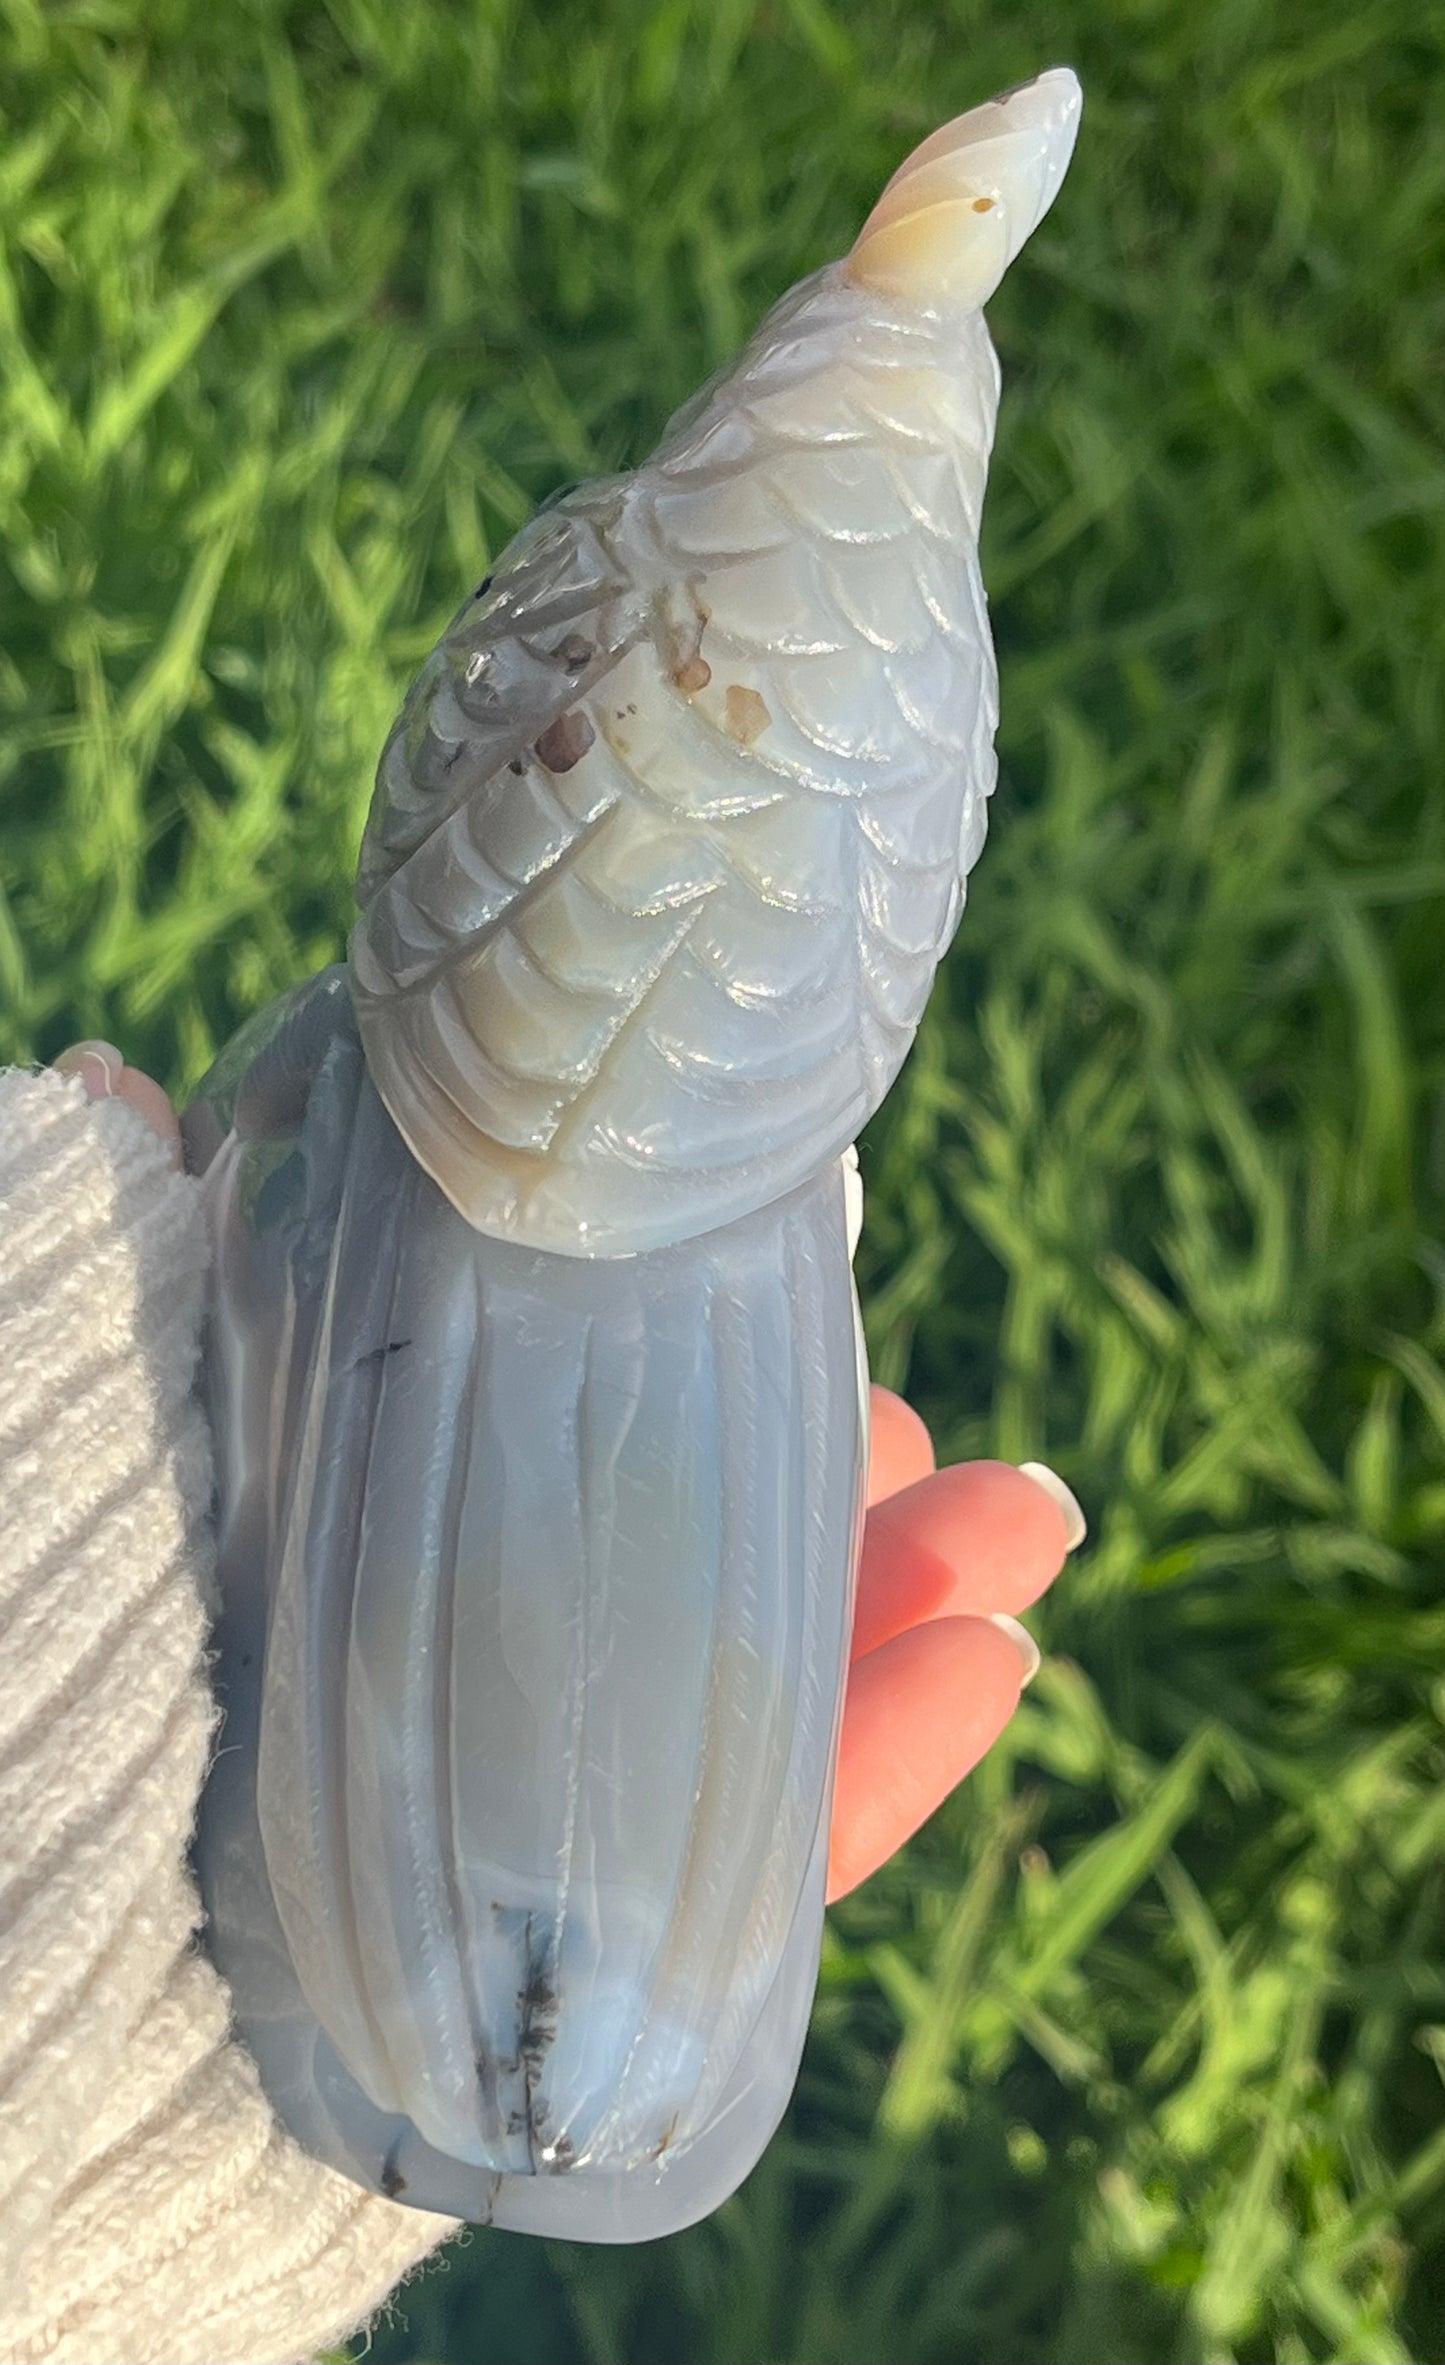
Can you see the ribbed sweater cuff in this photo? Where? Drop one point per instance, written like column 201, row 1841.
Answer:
column 152, row 2210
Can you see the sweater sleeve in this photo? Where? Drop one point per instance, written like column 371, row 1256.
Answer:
column 152, row 2209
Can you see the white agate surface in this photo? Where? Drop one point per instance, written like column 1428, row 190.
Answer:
column 536, row 1581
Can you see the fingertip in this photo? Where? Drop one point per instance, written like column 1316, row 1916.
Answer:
column 1076, row 1526
column 1030, row 1656
column 102, row 1071
column 98, row 1065
column 148, row 1099
column 901, row 1450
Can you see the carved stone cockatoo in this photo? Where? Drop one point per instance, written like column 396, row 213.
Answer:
column 534, row 1363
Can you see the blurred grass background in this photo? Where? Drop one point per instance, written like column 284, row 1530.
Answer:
column 1136, row 2058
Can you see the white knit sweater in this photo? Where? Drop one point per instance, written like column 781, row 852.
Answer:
column 152, row 2210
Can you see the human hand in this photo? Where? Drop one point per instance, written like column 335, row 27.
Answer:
column 939, row 1657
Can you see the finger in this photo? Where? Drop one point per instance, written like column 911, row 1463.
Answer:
column 146, row 1096
column 105, row 1076
column 919, row 1714
column 977, row 1537
column 900, row 1448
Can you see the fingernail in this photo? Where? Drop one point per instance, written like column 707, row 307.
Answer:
column 1023, row 1642
column 1068, row 1502
column 98, row 1066
column 853, row 1199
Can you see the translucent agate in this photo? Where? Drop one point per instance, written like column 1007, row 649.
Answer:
column 535, row 1583
column 534, row 1361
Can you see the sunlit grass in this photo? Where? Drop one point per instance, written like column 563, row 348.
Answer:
column 1136, row 2059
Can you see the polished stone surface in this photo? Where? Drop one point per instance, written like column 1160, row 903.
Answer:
column 535, row 1582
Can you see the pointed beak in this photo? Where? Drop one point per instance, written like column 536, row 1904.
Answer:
column 958, row 209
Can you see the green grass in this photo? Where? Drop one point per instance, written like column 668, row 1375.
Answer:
column 1136, row 2058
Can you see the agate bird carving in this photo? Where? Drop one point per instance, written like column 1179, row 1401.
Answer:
column 534, row 1362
